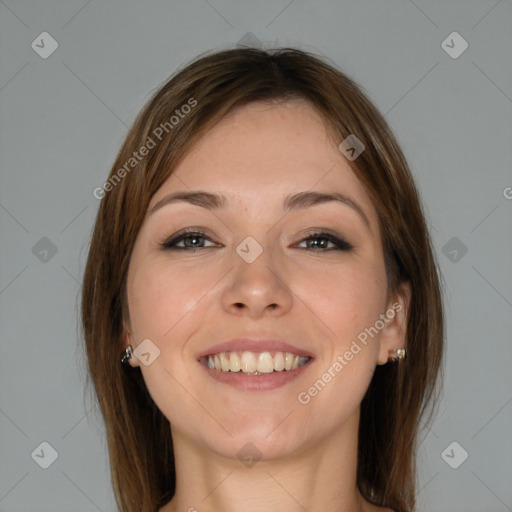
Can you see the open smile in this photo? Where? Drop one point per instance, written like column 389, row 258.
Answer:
column 254, row 363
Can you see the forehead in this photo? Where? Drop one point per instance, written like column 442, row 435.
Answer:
column 267, row 150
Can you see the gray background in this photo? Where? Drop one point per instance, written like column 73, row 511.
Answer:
column 63, row 119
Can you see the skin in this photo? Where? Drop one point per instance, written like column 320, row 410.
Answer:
column 185, row 302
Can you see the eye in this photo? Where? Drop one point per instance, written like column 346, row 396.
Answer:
column 325, row 239
column 192, row 239
column 195, row 239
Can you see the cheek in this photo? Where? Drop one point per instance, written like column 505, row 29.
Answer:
column 347, row 309
column 159, row 296
column 348, row 301
column 162, row 301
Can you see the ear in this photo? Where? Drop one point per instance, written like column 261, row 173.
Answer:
column 393, row 334
column 128, row 340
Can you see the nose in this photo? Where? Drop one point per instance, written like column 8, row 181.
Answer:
column 258, row 288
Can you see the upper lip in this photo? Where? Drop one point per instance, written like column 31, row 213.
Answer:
column 254, row 345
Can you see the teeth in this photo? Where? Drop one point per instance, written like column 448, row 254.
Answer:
column 248, row 362
column 234, row 363
column 278, row 362
column 255, row 363
column 265, row 363
column 224, row 362
column 288, row 362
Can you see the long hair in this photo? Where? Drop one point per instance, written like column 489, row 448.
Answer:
column 189, row 104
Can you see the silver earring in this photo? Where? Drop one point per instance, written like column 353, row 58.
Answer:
column 127, row 354
column 396, row 354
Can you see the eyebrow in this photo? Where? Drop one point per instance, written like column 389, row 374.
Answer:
column 298, row 201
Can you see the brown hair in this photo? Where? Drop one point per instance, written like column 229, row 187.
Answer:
column 142, row 464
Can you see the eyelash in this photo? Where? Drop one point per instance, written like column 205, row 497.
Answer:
column 170, row 244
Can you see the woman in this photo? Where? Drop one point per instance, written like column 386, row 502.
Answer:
column 261, row 266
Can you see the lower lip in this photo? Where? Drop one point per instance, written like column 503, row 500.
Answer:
column 263, row 382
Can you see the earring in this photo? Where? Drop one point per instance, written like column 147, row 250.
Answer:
column 127, row 354
column 396, row 354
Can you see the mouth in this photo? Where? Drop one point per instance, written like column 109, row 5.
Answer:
column 254, row 363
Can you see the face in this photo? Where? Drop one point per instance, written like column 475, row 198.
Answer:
column 308, row 275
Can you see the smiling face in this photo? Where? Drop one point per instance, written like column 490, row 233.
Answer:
column 269, row 264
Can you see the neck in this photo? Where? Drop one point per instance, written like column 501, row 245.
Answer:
column 317, row 477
